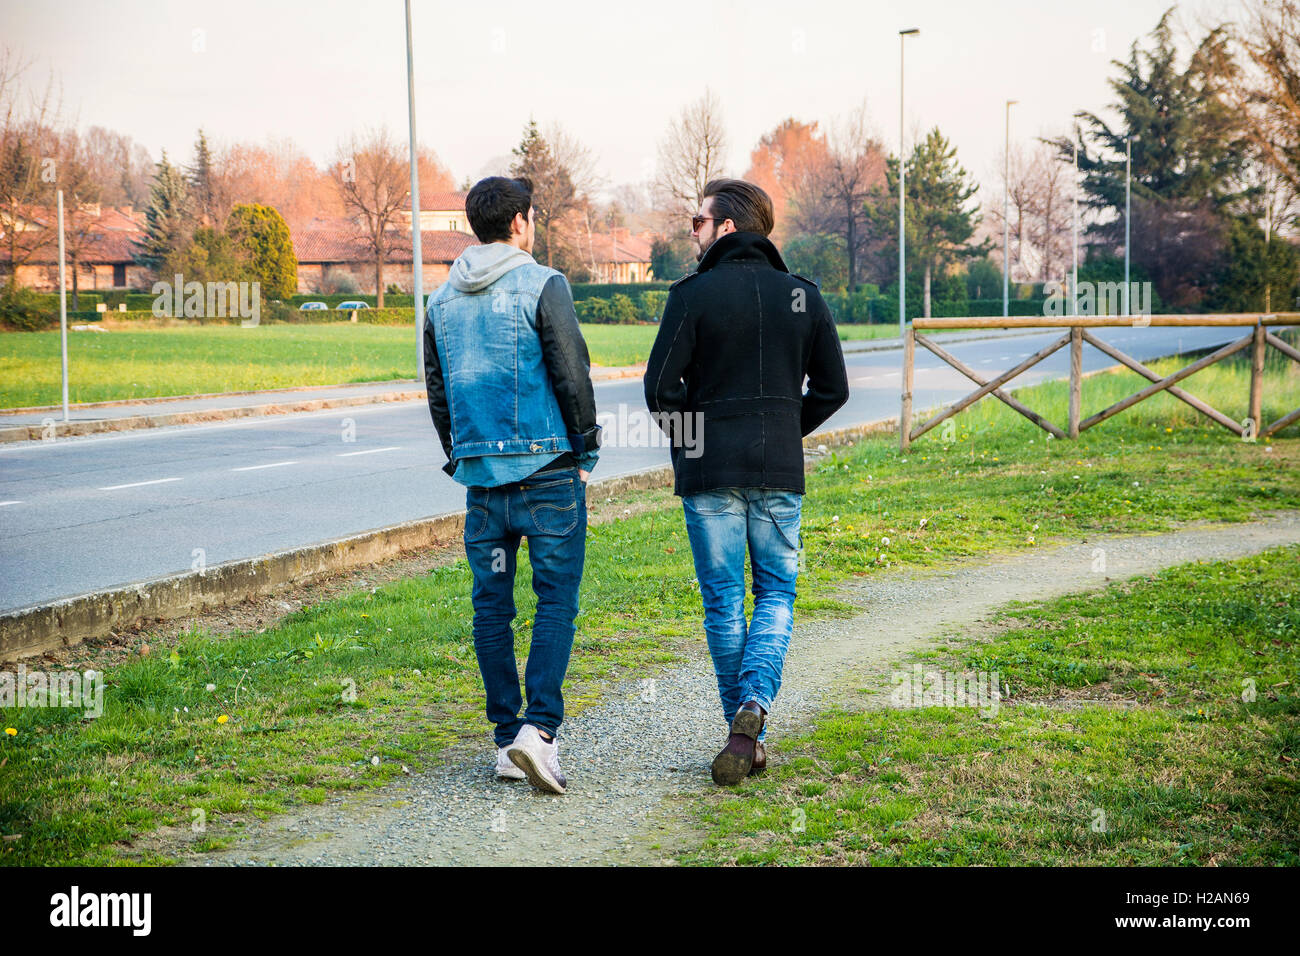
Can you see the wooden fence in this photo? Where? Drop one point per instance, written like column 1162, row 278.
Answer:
column 1076, row 334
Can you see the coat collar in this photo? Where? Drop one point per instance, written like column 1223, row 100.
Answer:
column 742, row 247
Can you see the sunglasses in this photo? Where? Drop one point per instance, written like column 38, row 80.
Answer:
column 697, row 221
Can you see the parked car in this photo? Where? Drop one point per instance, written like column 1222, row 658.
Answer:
column 312, row 306
column 352, row 304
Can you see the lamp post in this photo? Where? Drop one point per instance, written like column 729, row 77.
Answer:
column 1006, row 214
column 1074, row 191
column 417, row 252
column 902, row 163
column 1128, row 181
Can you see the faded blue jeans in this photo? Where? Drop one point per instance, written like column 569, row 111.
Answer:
column 549, row 510
column 747, row 659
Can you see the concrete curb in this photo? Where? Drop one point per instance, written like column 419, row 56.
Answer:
column 38, row 628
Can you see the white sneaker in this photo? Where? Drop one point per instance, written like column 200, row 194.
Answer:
column 538, row 759
column 506, row 769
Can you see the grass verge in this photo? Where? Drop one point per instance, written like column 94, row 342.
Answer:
column 1156, row 723
column 155, row 363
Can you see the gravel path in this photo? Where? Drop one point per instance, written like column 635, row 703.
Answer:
column 632, row 759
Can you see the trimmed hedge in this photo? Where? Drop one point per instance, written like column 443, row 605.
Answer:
column 607, row 290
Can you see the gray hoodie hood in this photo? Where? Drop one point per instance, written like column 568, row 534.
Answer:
column 479, row 266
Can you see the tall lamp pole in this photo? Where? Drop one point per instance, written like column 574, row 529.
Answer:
column 417, row 252
column 902, row 163
column 1074, row 191
column 1128, row 182
column 1006, row 214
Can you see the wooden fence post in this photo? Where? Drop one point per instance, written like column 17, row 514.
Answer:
column 905, row 416
column 1076, row 378
column 1258, row 347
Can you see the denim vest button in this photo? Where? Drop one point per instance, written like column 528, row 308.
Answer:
column 534, row 447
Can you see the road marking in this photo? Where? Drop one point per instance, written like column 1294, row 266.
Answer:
column 3, row 503
column 276, row 464
column 138, row 484
column 369, row 451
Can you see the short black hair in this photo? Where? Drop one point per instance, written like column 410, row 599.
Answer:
column 492, row 203
column 745, row 204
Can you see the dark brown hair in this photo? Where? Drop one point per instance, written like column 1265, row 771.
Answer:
column 491, row 205
column 745, row 204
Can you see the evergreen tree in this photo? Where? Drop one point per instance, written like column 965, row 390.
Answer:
column 553, row 192
column 1187, row 160
column 167, row 220
column 198, row 177
column 939, row 223
column 263, row 236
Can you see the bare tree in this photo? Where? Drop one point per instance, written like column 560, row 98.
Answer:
column 1269, row 86
column 371, row 173
column 691, row 153
column 1040, row 212
column 829, row 196
column 29, row 154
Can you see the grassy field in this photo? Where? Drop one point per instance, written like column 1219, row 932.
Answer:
column 159, row 362
column 81, row 790
column 1154, row 724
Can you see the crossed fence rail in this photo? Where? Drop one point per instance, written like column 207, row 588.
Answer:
column 1076, row 334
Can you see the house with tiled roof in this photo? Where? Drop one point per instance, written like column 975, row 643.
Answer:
column 336, row 255
column 439, row 212
column 618, row 256
column 100, row 244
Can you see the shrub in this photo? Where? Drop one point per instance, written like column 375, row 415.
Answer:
column 261, row 232
column 19, row 309
column 652, row 305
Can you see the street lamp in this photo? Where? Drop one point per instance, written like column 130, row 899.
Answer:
column 902, row 239
column 1006, row 220
column 417, row 252
column 1074, row 276
column 1128, row 184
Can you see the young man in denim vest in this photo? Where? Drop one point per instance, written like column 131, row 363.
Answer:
column 738, row 337
column 509, row 385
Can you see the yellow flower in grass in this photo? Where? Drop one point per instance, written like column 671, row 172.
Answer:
column 222, row 719
column 12, row 731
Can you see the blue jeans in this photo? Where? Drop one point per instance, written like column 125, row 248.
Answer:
column 551, row 512
column 747, row 660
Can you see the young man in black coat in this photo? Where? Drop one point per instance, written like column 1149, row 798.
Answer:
column 725, row 381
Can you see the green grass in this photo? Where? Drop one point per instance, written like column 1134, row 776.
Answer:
column 1202, row 767
column 152, row 363
column 75, row 789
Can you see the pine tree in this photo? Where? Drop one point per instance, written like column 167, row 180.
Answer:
column 198, row 177
column 168, row 222
column 1187, row 160
column 939, row 222
column 553, row 191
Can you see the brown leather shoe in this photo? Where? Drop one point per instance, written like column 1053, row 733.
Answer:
column 760, row 759
column 733, row 764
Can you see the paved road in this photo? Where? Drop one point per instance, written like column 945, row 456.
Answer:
column 80, row 514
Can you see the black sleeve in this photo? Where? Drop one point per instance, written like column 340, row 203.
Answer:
column 567, row 361
column 437, row 393
column 665, row 390
column 828, row 379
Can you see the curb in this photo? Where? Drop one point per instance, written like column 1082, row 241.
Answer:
column 35, row 629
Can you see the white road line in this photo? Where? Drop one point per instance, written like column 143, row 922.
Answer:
column 275, row 464
column 3, row 503
column 369, row 451
column 137, row 484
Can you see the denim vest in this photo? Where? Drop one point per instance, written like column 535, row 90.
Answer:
column 499, row 394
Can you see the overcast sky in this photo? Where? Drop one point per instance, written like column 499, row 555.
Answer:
column 612, row 74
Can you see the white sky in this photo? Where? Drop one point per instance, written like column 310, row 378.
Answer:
column 612, row 74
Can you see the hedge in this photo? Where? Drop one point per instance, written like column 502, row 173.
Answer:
column 607, row 290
